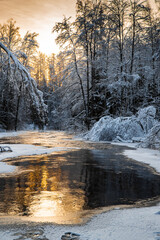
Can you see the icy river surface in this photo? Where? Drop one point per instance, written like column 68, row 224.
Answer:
column 73, row 182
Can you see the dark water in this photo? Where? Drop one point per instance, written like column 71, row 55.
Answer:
column 65, row 186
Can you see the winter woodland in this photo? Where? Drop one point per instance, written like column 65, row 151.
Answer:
column 108, row 68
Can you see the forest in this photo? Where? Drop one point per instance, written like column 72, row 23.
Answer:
column 108, row 65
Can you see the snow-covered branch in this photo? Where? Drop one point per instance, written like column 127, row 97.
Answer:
column 36, row 96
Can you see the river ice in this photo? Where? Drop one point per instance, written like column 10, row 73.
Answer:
column 123, row 224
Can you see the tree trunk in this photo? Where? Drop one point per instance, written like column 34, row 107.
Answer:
column 17, row 109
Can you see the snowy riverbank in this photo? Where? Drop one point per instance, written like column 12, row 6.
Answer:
column 144, row 155
column 20, row 150
column 132, row 224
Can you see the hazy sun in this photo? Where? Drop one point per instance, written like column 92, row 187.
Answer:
column 47, row 44
column 46, row 40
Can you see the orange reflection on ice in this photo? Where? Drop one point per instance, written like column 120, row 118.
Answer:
column 58, row 206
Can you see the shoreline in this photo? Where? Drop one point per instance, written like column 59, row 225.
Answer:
column 128, row 223
column 20, row 150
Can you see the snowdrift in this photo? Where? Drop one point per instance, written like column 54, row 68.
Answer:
column 142, row 127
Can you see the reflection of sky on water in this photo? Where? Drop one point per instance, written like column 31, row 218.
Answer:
column 62, row 186
column 60, row 207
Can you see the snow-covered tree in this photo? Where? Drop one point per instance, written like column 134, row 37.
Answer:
column 28, row 49
column 18, row 88
column 9, row 35
column 111, row 54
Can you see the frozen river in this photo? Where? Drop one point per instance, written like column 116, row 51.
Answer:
column 70, row 185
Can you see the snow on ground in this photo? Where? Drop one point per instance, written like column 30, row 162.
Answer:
column 5, row 168
column 148, row 156
column 130, row 224
column 122, row 224
column 11, row 134
column 21, row 150
column 126, row 224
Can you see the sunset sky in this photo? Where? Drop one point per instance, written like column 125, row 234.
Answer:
column 39, row 16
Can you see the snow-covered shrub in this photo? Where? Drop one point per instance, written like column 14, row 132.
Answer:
column 152, row 139
column 123, row 128
column 146, row 116
column 109, row 129
column 95, row 134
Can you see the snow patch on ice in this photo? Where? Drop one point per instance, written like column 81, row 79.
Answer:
column 148, row 156
column 5, row 168
column 21, row 150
